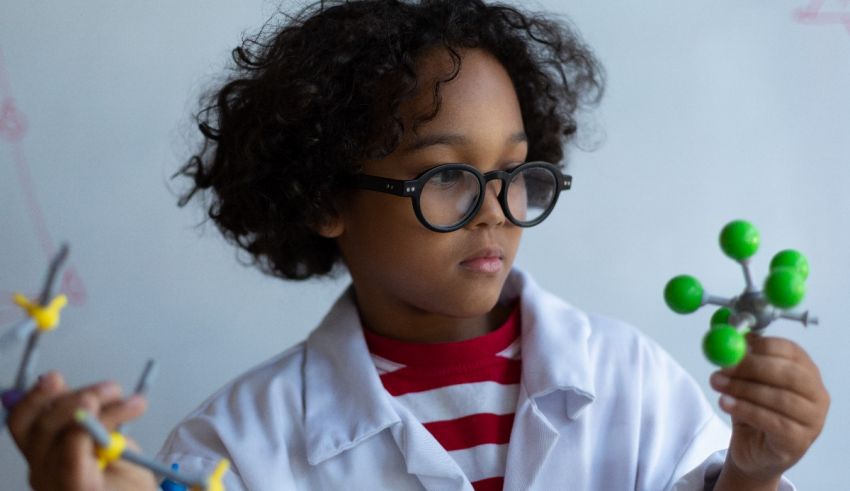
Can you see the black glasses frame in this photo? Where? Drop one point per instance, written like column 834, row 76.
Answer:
column 413, row 189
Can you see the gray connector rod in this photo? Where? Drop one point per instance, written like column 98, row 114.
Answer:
column 144, row 383
column 748, row 276
column 743, row 321
column 147, row 378
column 27, row 367
column 93, row 427
column 719, row 301
column 805, row 317
column 55, row 264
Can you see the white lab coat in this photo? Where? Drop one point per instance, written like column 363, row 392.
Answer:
column 600, row 407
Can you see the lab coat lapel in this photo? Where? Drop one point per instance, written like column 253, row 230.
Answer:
column 425, row 457
column 555, row 366
column 344, row 400
column 532, row 440
column 345, row 403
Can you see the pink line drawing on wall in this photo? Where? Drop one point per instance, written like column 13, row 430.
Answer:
column 825, row 12
column 13, row 129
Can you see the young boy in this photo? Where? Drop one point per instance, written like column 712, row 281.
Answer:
column 412, row 143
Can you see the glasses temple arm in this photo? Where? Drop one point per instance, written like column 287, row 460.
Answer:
column 384, row 185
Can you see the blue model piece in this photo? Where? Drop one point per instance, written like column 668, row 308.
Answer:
column 171, row 485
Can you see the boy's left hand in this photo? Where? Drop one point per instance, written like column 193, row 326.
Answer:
column 778, row 405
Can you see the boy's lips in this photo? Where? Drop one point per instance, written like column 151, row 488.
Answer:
column 488, row 260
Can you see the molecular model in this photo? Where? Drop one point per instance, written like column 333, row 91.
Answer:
column 725, row 343
column 42, row 317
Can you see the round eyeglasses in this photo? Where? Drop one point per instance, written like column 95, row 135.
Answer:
column 448, row 196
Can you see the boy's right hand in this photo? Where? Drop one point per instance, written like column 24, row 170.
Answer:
column 60, row 454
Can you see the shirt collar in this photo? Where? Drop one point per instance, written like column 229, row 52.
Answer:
column 345, row 402
column 446, row 356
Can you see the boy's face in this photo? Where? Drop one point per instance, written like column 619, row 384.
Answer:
column 402, row 270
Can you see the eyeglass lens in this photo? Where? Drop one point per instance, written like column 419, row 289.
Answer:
column 451, row 195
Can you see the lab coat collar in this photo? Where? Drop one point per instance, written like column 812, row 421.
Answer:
column 554, row 344
column 345, row 401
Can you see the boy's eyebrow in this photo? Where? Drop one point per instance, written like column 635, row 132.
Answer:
column 453, row 139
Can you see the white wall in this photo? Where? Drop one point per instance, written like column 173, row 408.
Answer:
column 714, row 111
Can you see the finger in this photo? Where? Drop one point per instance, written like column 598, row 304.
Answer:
column 122, row 411
column 72, row 461
column 778, row 372
column 50, row 386
column 784, row 348
column 784, row 402
column 779, row 347
column 72, row 453
column 792, row 436
column 60, row 415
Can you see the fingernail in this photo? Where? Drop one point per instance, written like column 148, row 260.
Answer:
column 727, row 401
column 719, row 380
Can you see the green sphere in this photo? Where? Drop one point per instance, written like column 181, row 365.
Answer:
column 784, row 288
column 739, row 240
column 720, row 317
column 683, row 294
column 724, row 346
column 789, row 258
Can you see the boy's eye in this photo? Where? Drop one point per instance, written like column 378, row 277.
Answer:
column 447, row 177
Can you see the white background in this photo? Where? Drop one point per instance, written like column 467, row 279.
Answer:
column 714, row 111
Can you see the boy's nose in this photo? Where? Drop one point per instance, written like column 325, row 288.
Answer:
column 491, row 212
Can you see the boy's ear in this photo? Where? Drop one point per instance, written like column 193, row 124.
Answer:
column 331, row 227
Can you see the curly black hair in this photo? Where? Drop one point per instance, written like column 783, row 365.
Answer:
column 312, row 97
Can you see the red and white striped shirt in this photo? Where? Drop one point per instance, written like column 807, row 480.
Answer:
column 464, row 393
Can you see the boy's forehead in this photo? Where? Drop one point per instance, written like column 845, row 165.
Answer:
column 481, row 91
column 479, row 73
